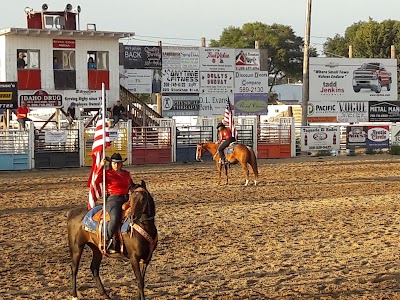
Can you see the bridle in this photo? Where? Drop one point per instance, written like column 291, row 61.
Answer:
column 135, row 223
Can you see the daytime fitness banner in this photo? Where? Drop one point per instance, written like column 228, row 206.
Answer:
column 353, row 79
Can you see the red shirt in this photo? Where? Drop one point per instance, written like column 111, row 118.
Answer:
column 224, row 133
column 116, row 184
column 22, row 112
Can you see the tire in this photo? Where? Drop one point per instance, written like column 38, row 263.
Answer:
column 378, row 88
column 356, row 89
column 388, row 86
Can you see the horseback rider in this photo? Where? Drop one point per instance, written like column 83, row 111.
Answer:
column 225, row 138
column 118, row 182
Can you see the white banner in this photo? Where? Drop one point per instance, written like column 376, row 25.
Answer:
column 213, row 104
column 217, row 59
column 352, row 111
column 186, row 58
column 253, row 82
column 137, row 81
column 395, row 133
column 180, row 81
column 55, row 136
column 247, row 59
column 353, row 79
column 83, row 98
column 216, row 82
column 318, row 138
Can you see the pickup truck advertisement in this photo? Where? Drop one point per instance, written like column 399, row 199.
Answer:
column 353, row 79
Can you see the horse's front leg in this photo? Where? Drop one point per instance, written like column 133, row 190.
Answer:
column 226, row 172
column 139, row 278
column 219, row 168
column 95, row 268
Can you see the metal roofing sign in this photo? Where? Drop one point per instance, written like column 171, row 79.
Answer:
column 217, row 59
column 353, row 79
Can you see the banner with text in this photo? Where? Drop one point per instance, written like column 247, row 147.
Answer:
column 247, row 59
column 216, row 82
column 213, row 104
column 8, row 95
column 142, row 57
column 185, row 58
column 353, row 79
column 180, row 105
column 320, row 138
column 180, row 81
column 217, row 59
column 251, row 82
column 251, row 104
column 384, row 111
column 137, row 81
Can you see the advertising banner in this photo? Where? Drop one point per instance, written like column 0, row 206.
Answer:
column 185, row 58
column 322, row 112
column 42, row 98
column 319, row 138
column 55, row 136
column 384, row 111
column 137, row 81
column 216, row 82
column 395, row 134
column 378, row 137
column 251, row 104
column 247, row 59
column 180, row 105
column 217, row 59
column 180, row 81
column 353, row 79
column 251, row 82
column 213, row 104
column 83, row 98
column 356, row 137
column 8, row 95
column 142, row 57
column 352, row 111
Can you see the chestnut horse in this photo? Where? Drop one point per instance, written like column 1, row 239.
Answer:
column 139, row 241
column 240, row 153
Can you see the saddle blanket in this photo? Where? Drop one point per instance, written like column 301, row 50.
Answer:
column 91, row 225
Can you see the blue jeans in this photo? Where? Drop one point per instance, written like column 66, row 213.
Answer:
column 114, row 209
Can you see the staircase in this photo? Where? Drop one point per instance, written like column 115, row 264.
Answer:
column 140, row 114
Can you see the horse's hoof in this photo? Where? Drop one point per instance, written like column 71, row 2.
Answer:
column 74, row 298
column 255, row 182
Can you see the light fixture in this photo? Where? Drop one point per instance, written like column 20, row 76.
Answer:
column 68, row 7
column 45, row 7
column 78, row 9
column 28, row 10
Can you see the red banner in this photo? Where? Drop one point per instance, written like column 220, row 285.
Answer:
column 63, row 43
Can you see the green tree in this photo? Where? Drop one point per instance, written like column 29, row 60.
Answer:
column 285, row 49
column 368, row 39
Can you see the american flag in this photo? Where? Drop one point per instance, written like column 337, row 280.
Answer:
column 228, row 118
column 97, row 155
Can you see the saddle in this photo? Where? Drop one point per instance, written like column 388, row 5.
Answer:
column 99, row 218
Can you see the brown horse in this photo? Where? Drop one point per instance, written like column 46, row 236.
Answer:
column 139, row 241
column 241, row 153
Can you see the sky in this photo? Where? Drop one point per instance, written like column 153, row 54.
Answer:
column 185, row 22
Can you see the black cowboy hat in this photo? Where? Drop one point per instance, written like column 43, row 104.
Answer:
column 220, row 125
column 116, row 157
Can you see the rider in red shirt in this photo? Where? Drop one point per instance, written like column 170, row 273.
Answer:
column 225, row 138
column 118, row 182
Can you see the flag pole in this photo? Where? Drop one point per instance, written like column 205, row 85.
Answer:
column 103, row 115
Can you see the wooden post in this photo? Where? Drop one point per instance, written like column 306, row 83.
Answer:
column 306, row 61
column 203, row 42
column 392, row 51
column 350, row 51
column 158, row 95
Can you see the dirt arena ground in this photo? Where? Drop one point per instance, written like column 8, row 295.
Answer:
column 314, row 228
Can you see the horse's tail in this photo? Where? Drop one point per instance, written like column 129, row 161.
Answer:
column 253, row 163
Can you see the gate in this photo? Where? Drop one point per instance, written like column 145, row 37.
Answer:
column 151, row 145
column 56, row 149
column 15, row 150
column 274, row 141
column 186, row 139
column 119, row 139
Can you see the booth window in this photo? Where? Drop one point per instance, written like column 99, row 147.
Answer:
column 98, row 69
column 64, row 69
column 28, row 69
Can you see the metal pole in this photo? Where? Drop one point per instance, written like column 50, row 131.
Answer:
column 103, row 126
column 306, row 87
